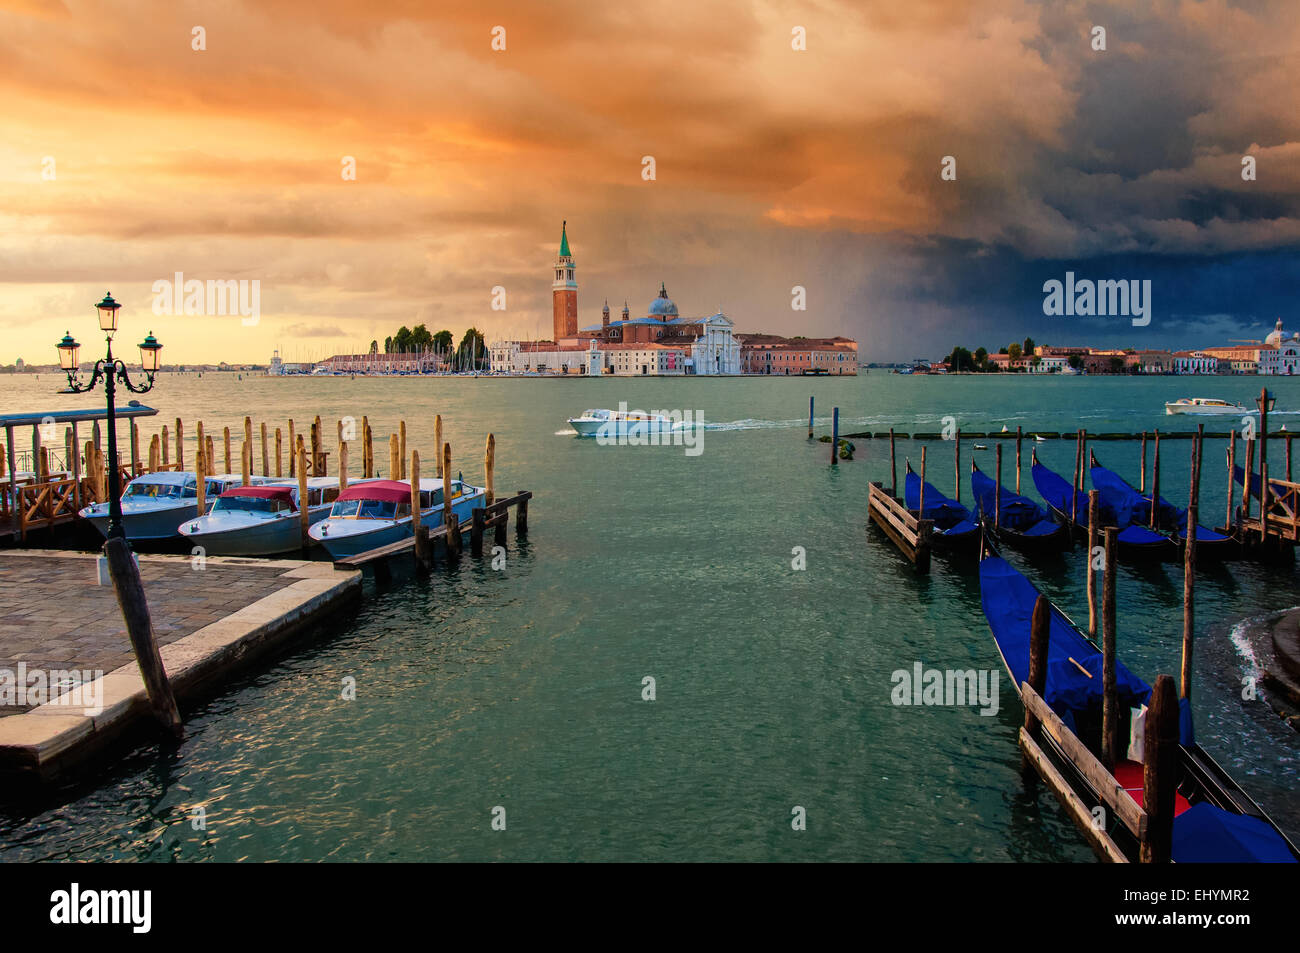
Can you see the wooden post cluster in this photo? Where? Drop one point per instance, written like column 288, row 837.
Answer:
column 835, row 436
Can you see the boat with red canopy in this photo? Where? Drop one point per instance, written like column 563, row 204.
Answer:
column 368, row 516
column 261, row 520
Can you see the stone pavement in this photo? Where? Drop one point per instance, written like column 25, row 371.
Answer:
column 53, row 615
column 210, row 623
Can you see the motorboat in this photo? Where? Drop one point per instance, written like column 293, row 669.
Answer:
column 155, row 504
column 367, row 516
column 1205, row 405
column 624, row 423
column 262, row 520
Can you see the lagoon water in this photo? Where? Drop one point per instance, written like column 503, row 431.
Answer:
column 522, row 688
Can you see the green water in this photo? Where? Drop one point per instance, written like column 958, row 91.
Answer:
column 522, row 688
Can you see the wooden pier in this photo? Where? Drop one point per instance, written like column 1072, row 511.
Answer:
column 904, row 528
column 427, row 545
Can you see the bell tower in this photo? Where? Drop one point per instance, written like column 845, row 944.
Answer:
column 564, row 291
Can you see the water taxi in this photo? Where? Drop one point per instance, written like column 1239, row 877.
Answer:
column 155, row 504
column 369, row 515
column 262, row 520
column 623, row 423
column 1204, row 405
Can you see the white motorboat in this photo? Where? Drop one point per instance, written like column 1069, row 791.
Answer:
column 369, row 515
column 1204, row 405
column 155, row 504
column 261, row 520
column 623, row 423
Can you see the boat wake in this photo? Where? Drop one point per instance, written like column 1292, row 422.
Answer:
column 566, row 432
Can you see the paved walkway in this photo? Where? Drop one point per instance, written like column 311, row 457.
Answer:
column 53, row 615
column 210, row 622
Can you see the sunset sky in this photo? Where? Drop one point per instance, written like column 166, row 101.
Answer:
column 775, row 167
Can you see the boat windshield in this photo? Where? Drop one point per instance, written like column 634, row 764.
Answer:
column 250, row 504
column 156, row 491
column 370, row 509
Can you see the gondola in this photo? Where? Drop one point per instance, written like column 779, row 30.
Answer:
column 1215, row 820
column 1131, row 507
column 954, row 529
column 1136, row 543
column 1021, row 522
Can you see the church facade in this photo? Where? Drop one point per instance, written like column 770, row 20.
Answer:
column 661, row 342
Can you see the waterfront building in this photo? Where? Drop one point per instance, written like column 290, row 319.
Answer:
column 774, row 354
column 420, row 362
column 708, row 343
column 1284, row 359
column 1195, row 362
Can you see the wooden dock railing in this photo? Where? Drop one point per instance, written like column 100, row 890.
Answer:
column 909, row 533
column 42, row 505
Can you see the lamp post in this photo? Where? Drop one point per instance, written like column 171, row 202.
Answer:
column 110, row 369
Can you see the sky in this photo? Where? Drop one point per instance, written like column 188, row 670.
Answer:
column 794, row 145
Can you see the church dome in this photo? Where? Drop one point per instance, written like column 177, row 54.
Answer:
column 662, row 306
column 1275, row 339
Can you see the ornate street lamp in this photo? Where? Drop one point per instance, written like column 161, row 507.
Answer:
column 110, row 369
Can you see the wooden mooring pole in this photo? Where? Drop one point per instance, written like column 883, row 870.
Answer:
column 997, row 497
column 180, row 447
column 1160, row 772
column 1155, row 480
column 893, row 466
column 956, row 466
column 810, row 418
column 1039, row 637
column 437, row 443
column 1232, row 466
column 1110, row 747
column 489, row 470
column 1093, row 497
column 1142, row 477
column 394, row 458
column 421, row 534
column 1019, row 437
column 835, row 436
column 125, row 574
column 1245, row 483
column 201, row 482
column 1189, row 571
column 279, row 454
column 920, row 502
column 304, row 513
column 449, row 515
column 266, row 453
column 1078, row 478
